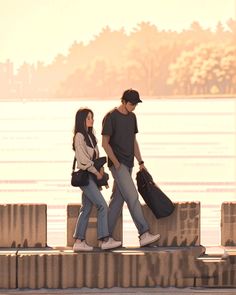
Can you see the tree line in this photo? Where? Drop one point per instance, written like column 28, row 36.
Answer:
column 195, row 61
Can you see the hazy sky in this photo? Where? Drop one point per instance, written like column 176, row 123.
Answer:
column 33, row 30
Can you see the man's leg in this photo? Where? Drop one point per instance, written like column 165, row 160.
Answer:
column 127, row 191
column 115, row 207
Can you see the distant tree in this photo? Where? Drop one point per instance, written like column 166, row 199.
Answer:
column 206, row 69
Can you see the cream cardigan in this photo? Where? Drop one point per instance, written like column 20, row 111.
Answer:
column 84, row 153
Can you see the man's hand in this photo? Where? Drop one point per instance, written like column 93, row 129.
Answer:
column 117, row 165
column 141, row 167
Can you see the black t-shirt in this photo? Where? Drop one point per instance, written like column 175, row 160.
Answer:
column 121, row 129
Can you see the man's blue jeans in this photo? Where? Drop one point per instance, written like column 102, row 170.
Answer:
column 124, row 190
column 92, row 196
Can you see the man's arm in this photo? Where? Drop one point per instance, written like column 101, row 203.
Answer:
column 137, row 154
column 109, row 151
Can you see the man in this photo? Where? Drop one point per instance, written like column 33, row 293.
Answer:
column 121, row 146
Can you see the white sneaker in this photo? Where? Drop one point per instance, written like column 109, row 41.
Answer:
column 110, row 244
column 81, row 246
column 147, row 238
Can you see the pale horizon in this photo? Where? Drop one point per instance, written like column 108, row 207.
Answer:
column 34, row 31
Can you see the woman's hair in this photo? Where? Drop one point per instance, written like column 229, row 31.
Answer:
column 80, row 126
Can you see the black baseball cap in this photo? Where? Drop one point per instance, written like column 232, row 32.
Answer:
column 132, row 96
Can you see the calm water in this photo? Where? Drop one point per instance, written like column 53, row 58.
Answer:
column 189, row 146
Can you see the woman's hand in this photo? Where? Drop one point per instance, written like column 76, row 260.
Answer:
column 99, row 175
column 101, row 171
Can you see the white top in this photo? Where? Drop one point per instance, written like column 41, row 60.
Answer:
column 84, row 153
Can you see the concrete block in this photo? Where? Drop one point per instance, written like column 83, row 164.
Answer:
column 228, row 224
column 165, row 267
column 65, row 269
column 23, row 225
column 38, row 269
column 181, row 228
column 8, row 269
column 91, row 234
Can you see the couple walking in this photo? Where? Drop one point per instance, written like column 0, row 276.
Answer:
column 120, row 144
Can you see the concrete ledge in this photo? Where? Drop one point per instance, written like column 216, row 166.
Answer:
column 144, row 267
column 23, row 225
column 228, row 224
column 91, row 234
column 181, row 228
column 124, row 267
column 8, row 278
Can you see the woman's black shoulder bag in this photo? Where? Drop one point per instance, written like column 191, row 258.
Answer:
column 79, row 177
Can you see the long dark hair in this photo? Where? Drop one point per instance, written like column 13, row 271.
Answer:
column 80, row 126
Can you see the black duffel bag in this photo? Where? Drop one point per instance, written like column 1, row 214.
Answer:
column 153, row 196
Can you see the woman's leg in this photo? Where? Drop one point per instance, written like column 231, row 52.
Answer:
column 83, row 218
column 95, row 197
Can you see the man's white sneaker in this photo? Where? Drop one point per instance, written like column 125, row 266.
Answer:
column 110, row 244
column 81, row 246
column 147, row 238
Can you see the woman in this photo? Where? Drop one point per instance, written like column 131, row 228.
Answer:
column 86, row 150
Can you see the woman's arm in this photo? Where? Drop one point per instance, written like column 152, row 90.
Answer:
column 82, row 155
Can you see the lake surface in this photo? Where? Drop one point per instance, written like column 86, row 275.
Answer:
column 189, row 146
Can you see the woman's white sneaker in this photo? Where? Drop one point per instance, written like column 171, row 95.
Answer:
column 81, row 246
column 147, row 238
column 110, row 244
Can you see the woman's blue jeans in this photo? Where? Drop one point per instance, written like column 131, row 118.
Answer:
column 92, row 196
column 124, row 190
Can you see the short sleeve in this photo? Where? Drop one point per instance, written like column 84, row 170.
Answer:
column 107, row 128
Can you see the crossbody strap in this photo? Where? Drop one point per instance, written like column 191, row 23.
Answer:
column 94, row 150
column 73, row 166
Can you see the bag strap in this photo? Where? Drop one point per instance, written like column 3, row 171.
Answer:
column 73, row 166
column 94, row 150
